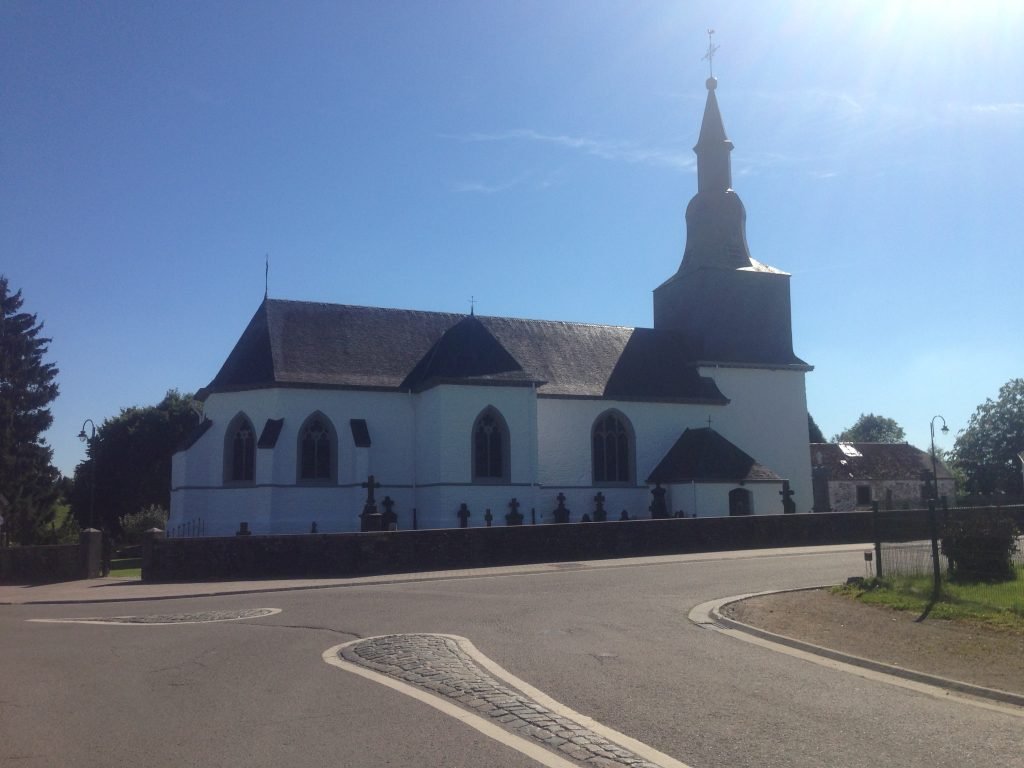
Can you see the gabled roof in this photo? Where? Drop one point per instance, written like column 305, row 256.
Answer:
column 306, row 344
column 467, row 353
column 703, row 455
column 877, row 461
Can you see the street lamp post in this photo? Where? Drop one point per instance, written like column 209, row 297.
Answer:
column 88, row 440
column 935, row 474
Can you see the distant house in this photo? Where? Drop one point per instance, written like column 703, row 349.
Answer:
column 849, row 476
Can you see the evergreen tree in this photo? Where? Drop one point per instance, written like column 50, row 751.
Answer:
column 814, row 431
column 28, row 480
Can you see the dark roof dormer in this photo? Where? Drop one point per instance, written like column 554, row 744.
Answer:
column 467, row 353
column 704, row 456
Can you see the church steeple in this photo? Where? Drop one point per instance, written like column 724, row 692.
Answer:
column 716, row 221
column 731, row 308
column 714, row 168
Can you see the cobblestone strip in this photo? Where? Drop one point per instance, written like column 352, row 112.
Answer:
column 437, row 664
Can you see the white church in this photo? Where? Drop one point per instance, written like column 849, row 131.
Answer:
column 461, row 418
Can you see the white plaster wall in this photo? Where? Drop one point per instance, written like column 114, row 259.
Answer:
column 444, row 423
column 564, row 427
column 767, row 418
column 276, row 503
column 422, row 453
column 712, row 499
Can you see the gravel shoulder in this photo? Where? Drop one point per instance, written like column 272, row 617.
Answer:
column 968, row 653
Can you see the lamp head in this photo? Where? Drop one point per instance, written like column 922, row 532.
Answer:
column 945, row 429
column 82, row 435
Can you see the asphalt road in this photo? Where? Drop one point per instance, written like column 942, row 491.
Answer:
column 611, row 642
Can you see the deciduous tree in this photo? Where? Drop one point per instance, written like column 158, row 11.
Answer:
column 870, row 428
column 28, row 480
column 987, row 450
column 132, row 458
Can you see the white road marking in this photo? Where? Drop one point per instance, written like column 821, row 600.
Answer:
column 127, row 621
column 705, row 615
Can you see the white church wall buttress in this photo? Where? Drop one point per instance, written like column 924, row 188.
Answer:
column 767, row 418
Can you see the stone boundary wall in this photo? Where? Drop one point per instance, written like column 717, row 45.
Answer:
column 59, row 562
column 352, row 554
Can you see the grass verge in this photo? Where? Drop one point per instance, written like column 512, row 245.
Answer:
column 126, row 568
column 999, row 605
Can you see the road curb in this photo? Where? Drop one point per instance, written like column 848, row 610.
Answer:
column 192, row 590
column 713, row 611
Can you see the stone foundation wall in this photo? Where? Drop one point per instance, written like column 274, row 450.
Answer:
column 352, row 554
column 62, row 562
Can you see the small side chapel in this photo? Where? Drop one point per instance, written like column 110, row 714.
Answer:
column 463, row 419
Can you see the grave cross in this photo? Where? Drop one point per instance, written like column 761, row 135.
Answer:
column 561, row 513
column 370, row 485
column 463, row 515
column 599, row 514
column 371, row 518
column 513, row 517
column 788, row 505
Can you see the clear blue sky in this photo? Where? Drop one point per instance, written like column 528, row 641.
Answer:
column 535, row 155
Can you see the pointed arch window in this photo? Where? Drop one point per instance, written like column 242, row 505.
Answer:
column 317, row 450
column 240, row 451
column 490, row 448
column 612, row 448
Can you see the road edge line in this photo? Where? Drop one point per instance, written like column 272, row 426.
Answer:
column 708, row 615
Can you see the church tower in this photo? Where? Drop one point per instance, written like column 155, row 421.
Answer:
column 732, row 308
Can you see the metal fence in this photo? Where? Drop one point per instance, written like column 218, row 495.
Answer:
column 187, row 530
column 964, row 554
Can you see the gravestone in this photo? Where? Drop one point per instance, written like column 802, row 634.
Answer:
column 788, row 505
column 488, row 517
column 463, row 514
column 599, row 514
column 388, row 518
column 513, row 517
column 561, row 512
column 372, row 520
column 658, row 508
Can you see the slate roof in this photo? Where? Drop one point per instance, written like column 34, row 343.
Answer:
column 878, row 461
column 467, row 353
column 703, row 455
column 295, row 343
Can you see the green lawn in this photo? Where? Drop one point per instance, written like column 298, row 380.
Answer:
column 126, row 568
column 998, row 605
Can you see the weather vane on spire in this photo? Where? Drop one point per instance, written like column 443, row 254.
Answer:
column 710, row 55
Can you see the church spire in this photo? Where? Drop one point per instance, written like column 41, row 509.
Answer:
column 716, row 221
column 730, row 307
column 714, row 167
